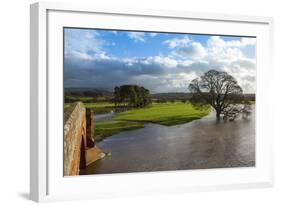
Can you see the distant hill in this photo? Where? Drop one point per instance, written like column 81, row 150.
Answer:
column 187, row 96
column 85, row 90
column 72, row 94
column 172, row 96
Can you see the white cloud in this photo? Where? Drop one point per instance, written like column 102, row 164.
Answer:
column 177, row 42
column 137, row 36
column 248, row 41
column 193, row 50
column 217, row 41
column 186, row 48
column 114, row 32
column 228, row 56
column 170, row 82
column 80, row 55
column 219, row 54
column 81, row 44
column 153, row 34
column 165, row 61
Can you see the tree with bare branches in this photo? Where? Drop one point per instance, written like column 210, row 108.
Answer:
column 220, row 90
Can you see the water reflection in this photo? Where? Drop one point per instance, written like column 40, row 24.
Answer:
column 204, row 143
column 103, row 117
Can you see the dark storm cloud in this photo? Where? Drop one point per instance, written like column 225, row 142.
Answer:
column 109, row 72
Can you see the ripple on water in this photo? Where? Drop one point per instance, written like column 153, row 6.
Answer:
column 200, row 144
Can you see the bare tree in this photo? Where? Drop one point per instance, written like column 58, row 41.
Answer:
column 220, row 90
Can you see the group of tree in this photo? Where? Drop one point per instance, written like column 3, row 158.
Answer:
column 221, row 91
column 131, row 95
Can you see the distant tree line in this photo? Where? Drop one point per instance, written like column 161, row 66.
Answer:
column 131, row 95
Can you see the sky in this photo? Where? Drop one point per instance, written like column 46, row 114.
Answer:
column 160, row 62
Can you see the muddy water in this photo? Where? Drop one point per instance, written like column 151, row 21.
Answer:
column 200, row 144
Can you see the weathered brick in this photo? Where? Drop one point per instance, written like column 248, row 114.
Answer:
column 79, row 148
column 74, row 137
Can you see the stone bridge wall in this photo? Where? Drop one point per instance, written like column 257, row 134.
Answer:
column 74, row 138
column 79, row 147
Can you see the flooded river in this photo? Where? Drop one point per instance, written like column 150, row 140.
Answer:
column 200, row 144
column 103, row 117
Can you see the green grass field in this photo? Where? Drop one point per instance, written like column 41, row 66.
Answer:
column 161, row 113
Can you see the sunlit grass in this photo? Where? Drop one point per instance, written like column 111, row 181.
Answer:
column 167, row 114
column 164, row 113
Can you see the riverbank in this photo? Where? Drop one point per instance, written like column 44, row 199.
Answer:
column 167, row 114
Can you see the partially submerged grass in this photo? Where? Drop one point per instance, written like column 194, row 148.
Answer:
column 161, row 113
column 111, row 127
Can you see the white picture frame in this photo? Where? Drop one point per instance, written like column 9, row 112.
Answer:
column 46, row 179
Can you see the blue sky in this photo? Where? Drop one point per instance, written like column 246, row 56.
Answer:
column 161, row 62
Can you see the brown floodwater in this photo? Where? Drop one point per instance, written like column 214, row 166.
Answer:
column 200, row 144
